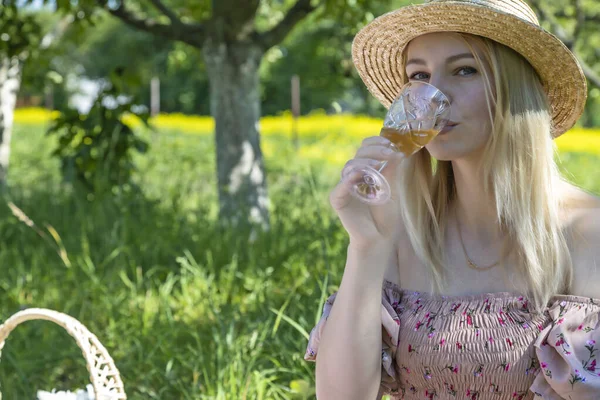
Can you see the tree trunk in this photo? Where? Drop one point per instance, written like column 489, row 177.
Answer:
column 10, row 81
column 235, row 106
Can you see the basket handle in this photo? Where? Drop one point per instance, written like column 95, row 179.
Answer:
column 104, row 375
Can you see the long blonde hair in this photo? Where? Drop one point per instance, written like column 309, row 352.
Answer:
column 519, row 170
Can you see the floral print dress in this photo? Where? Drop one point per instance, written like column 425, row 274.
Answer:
column 486, row 346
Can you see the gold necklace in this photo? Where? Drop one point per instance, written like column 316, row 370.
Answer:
column 470, row 262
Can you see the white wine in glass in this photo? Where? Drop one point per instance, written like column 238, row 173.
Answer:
column 417, row 115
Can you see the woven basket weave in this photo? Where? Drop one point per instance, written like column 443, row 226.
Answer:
column 104, row 375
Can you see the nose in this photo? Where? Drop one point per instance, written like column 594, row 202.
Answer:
column 439, row 83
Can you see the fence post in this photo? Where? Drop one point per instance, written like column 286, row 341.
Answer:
column 154, row 96
column 295, row 109
column 49, row 97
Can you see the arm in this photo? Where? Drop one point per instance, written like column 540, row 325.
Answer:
column 586, row 258
column 349, row 360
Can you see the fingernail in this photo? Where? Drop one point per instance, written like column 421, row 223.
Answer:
column 388, row 151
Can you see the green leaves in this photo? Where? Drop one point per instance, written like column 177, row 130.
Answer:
column 95, row 150
column 20, row 31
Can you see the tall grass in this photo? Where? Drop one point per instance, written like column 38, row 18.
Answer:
column 186, row 310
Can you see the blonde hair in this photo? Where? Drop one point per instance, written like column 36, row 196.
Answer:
column 519, row 171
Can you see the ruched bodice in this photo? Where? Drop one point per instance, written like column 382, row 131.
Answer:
column 486, row 346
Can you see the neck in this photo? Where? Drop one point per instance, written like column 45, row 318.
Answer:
column 475, row 210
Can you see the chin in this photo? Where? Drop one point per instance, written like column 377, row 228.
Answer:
column 453, row 150
column 441, row 154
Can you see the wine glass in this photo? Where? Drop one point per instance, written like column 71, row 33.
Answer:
column 415, row 117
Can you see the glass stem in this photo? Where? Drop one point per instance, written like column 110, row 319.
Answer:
column 383, row 164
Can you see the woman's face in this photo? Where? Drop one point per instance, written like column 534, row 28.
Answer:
column 445, row 61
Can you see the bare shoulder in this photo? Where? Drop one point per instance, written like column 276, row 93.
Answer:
column 404, row 254
column 577, row 198
column 584, row 224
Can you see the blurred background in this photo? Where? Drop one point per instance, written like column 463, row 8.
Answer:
column 165, row 171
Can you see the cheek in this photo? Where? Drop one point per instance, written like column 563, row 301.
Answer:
column 471, row 109
column 473, row 105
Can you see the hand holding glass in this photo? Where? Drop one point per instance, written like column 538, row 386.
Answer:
column 417, row 115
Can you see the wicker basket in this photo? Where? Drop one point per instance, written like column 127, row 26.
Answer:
column 104, row 375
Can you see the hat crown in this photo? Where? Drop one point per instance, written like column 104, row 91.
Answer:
column 518, row 8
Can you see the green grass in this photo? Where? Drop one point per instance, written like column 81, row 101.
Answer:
column 186, row 310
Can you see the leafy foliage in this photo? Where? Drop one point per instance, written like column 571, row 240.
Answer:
column 317, row 49
column 20, row 31
column 95, row 150
column 184, row 84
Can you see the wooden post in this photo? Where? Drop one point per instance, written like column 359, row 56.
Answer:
column 49, row 96
column 154, row 96
column 295, row 109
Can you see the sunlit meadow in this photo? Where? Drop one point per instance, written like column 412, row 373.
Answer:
column 185, row 310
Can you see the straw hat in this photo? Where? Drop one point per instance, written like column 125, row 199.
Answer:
column 377, row 48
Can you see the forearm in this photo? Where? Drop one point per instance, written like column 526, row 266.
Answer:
column 349, row 357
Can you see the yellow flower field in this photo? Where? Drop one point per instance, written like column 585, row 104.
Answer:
column 322, row 132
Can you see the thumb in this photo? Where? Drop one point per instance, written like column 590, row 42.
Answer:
column 341, row 196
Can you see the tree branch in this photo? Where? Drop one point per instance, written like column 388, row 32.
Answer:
column 557, row 29
column 274, row 36
column 175, row 20
column 580, row 20
column 191, row 34
column 592, row 76
column 589, row 73
column 587, row 18
column 166, row 11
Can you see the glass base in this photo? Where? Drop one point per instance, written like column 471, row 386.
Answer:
column 367, row 184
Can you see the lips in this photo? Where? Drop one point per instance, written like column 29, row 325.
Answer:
column 449, row 126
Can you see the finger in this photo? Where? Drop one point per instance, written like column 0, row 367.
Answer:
column 374, row 152
column 376, row 140
column 357, row 163
column 351, row 174
column 341, row 195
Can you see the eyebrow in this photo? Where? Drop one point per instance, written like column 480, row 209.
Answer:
column 448, row 60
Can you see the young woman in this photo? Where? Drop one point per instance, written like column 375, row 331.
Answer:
column 479, row 279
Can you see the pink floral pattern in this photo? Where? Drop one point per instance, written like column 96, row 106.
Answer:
column 484, row 347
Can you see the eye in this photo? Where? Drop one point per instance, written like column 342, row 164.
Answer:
column 415, row 75
column 462, row 71
column 468, row 71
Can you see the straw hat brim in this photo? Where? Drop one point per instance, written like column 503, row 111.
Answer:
column 377, row 50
